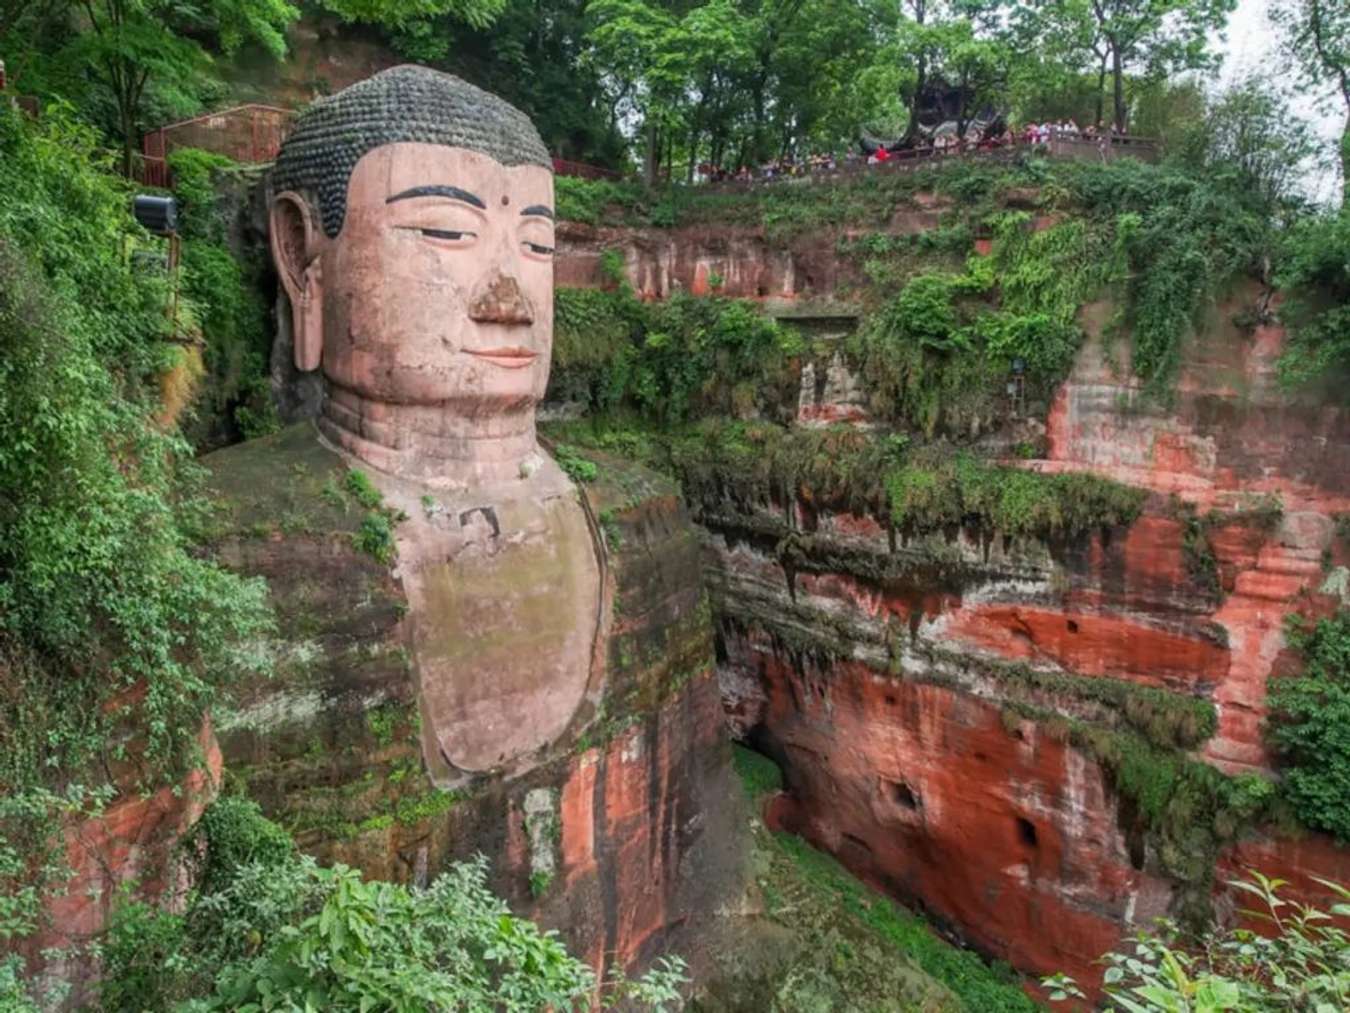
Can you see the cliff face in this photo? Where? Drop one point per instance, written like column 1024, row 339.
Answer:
column 623, row 840
column 957, row 713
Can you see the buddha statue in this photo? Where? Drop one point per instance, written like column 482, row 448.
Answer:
column 473, row 653
column 412, row 229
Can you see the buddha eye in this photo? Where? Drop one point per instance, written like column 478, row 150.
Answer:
column 447, row 234
column 439, row 236
column 539, row 248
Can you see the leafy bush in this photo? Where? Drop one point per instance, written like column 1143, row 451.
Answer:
column 1301, row 961
column 1310, row 723
column 577, row 468
column 1314, row 268
column 671, row 360
column 375, row 536
column 231, row 834
column 231, row 315
column 591, row 200
column 270, row 929
column 102, row 597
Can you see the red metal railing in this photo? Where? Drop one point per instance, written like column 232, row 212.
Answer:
column 248, row 133
column 562, row 167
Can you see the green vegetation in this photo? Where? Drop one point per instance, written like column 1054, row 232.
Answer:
column 1316, row 33
column 1297, row 960
column 236, row 398
column 114, row 633
column 120, row 60
column 917, row 490
column 1310, row 723
column 672, row 360
column 1010, row 501
column 358, row 485
column 1316, row 251
column 941, row 329
column 577, row 468
column 268, row 928
column 979, row 986
column 759, row 775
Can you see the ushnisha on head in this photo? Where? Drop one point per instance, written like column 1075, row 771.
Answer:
column 412, row 226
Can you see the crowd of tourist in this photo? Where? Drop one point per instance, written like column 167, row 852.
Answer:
column 940, row 144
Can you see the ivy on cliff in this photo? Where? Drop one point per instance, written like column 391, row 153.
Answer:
column 1310, row 723
column 669, row 361
column 225, row 290
column 113, row 631
column 1315, row 270
column 1161, row 241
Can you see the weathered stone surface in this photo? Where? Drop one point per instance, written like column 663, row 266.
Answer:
column 879, row 680
column 646, row 839
column 1006, row 837
column 127, row 850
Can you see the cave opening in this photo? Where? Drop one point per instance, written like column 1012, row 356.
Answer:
column 903, row 795
column 1026, row 832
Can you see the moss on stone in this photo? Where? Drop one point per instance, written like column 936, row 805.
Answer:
column 823, row 940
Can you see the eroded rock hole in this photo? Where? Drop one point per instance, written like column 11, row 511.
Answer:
column 1072, row 625
column 1026, row 832
column 903, row 795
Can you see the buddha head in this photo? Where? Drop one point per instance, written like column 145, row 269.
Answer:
column 412, row 229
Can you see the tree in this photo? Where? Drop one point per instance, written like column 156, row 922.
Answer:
column 14, row 11
column 125, row 44
column 400, row 13
column 1133, row 37
column 1317, row 35
column 962, row 43
column 1310, row 716
column 1162, row 36
column 1070, row 36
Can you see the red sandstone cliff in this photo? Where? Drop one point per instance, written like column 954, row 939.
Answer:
column 880, row 682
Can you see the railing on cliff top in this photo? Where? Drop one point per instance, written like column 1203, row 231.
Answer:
column 1058, row 145
column 254, row 133
column 562, row 167
column 247, row 133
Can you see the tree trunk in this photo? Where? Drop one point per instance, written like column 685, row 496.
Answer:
column 1101, row 90
column 649, row 166
column 127, row 114
column 1345, row 163
column 1118, row 76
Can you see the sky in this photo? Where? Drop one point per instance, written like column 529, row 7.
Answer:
column 1251, row 43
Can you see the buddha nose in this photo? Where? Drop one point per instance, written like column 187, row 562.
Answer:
column 499, row 300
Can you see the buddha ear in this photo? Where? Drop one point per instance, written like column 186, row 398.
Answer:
column 295, row 252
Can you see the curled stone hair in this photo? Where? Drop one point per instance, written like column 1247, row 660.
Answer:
column 407, row 103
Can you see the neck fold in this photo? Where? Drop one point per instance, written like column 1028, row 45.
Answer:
column 447, row 448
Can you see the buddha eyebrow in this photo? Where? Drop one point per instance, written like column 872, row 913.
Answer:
column 538, row 209
column 453, row 192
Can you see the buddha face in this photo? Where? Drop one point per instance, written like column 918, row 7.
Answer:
column 439, row 288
